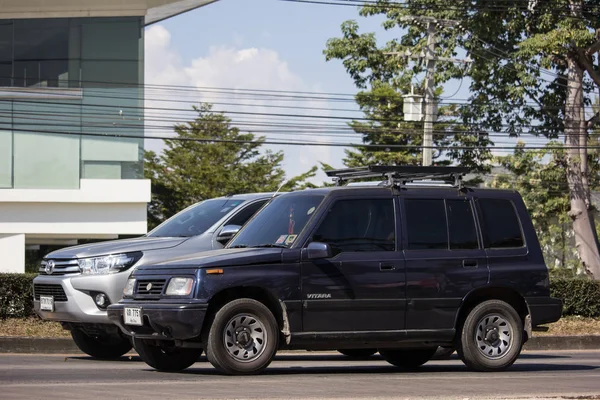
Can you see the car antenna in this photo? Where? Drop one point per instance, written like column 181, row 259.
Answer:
column 285, row 181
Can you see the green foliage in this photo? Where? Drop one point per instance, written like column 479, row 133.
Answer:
column 224, row 162
column 16, row 295
column 580, row 296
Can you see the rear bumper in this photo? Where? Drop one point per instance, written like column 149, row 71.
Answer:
column 162, row 321
column 544, row 310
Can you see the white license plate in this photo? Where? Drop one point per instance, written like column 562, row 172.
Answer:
column 133, row 316
column 47, row 303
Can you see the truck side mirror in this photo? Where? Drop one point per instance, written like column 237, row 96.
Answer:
column 227, row 233
column 318, row 250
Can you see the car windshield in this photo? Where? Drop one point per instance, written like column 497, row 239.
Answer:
column 279, row 223
column 196, row 219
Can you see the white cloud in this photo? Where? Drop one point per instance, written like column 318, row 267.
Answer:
column 234, row 68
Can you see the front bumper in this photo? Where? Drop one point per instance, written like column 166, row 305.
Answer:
column 162, row 321
column 544, row 310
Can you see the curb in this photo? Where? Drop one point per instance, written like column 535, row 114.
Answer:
column 67, row 346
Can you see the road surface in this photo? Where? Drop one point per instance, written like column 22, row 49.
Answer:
column 298, row 376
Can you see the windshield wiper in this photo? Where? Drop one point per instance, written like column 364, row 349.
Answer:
column 282, row 246
column 239, row 246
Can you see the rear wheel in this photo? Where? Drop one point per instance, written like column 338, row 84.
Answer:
column 491, row 337
column 163, row 356
column 358, row 353
column 243, row 338
column 408, row 358
column 104, row 346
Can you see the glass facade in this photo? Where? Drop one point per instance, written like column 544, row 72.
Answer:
column 66, row 86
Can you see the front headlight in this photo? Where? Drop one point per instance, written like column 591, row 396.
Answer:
column 128, row 290
column 180, row 286
column 108, row 264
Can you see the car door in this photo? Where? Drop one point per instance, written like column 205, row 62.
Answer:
column 240, row 218
column 360, row 288
column 444, row 258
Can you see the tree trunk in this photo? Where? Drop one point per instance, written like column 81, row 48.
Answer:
column 586, row 240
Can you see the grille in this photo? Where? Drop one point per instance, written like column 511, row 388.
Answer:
column 49, row 290
column 156, row 287
column 61, row 267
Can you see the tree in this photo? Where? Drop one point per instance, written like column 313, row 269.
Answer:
column 532, row 74
column 210, row 158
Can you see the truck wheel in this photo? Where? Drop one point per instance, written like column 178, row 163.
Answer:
column 103, row 347
column 166, row 357
column 243, row 338
column 408, row 358
column 358, row 353
column 491, row 337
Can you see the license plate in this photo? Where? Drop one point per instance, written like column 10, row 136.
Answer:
column 133, row 316
column 47, row 303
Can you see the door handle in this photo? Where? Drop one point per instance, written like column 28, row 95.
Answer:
column 386, row 267
column 469, row 263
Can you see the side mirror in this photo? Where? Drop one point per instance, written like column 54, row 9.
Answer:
column 318, row 250
column 228, row 232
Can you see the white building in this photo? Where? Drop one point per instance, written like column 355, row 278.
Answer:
column 72, row 71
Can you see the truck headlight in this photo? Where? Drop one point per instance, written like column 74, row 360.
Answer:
column 180, row 287
column 108, row 264
column 128, row 290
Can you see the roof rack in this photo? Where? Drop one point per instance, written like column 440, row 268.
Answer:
column 400, row 175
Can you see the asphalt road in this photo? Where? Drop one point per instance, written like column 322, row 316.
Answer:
column 299, row 376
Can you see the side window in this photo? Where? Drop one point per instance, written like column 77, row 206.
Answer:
column 245, row 214
column 359, row 225
column 461, row 225
column 426, row 224
column 501, row 224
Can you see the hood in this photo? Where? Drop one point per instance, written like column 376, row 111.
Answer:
column 221, row 258
column 117, row 246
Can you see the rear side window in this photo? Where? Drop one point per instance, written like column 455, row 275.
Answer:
column 501, row 224
column 461, row 225
column 426, row 222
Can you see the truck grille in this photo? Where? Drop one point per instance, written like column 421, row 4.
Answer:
column 59, row 267
column 150, row 287
column 49, row 290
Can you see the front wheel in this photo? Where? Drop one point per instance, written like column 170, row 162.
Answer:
column 358, row 354
column 243, row 338
column 491, row 337
column 408, row 358
column 163, row 356
column 104, row 346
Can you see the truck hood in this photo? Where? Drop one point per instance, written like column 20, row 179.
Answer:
column 220, row 258
column 117, row 246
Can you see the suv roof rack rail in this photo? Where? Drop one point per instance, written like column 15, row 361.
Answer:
column 400, row 175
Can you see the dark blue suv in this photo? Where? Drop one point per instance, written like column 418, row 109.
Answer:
column 401, row 268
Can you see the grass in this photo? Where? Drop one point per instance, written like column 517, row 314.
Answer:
column 35, row 327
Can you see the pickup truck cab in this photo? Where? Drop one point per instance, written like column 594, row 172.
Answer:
column 402, row 268
column 76, row 284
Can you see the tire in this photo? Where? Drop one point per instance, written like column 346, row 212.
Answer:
column 443, row 353
column 359, row 354
column 408, row 358
column 166, row 357
column 481, row 349
column 243, row 338
column 102, row 347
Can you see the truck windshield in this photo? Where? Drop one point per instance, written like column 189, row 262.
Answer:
column 279, row 223
column 195, row 220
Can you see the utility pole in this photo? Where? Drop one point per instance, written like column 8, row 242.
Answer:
column 429, row 55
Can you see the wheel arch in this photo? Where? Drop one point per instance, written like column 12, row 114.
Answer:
column 506, row 294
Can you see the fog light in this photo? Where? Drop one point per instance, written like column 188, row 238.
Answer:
column 101, row 300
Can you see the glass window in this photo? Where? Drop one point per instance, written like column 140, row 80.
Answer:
column 280, row 222
column 359, row 225
column 244, row 215
column 195, row 220
column 461, row 225
column 501, row 224
column 426, row 224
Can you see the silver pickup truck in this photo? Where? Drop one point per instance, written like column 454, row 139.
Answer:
column 76, row 284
